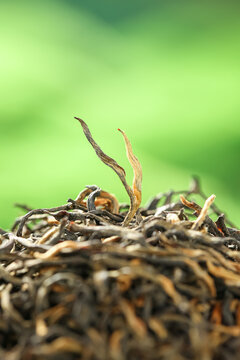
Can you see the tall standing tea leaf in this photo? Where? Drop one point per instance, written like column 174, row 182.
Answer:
column 137, row 180
column 135, row 193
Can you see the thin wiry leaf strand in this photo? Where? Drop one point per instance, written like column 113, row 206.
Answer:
column 137, row 180
column 111, row 163
column 203, row 212
column 105, row 158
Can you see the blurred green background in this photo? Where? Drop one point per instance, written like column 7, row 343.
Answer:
column 166, row 72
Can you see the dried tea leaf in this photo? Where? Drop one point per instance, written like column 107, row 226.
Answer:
column 59, row 345
column 230, row 277
column 135, row 193
column 136, row 324
column 202, row 274
column 157, row 326
column 56, row 249
column 203, row 212
column 137, row 180
column 216, row 316
column 102, row 156
column 190, row 204
column 104, row 198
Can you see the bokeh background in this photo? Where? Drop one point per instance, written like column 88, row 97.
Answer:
column 166, row 72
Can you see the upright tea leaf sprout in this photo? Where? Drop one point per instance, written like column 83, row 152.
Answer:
column 134, row 193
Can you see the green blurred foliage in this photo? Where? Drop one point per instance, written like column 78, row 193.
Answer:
column 167, row 73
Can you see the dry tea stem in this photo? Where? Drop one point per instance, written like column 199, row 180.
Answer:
column 135, row 193
column 203, row 212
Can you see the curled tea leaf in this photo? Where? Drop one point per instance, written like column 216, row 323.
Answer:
column 103, row 199
column 190, row 204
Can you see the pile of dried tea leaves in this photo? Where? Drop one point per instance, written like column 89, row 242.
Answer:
column 78, row 281
column 75, row 284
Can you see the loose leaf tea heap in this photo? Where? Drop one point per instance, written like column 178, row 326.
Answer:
column 95, row 279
